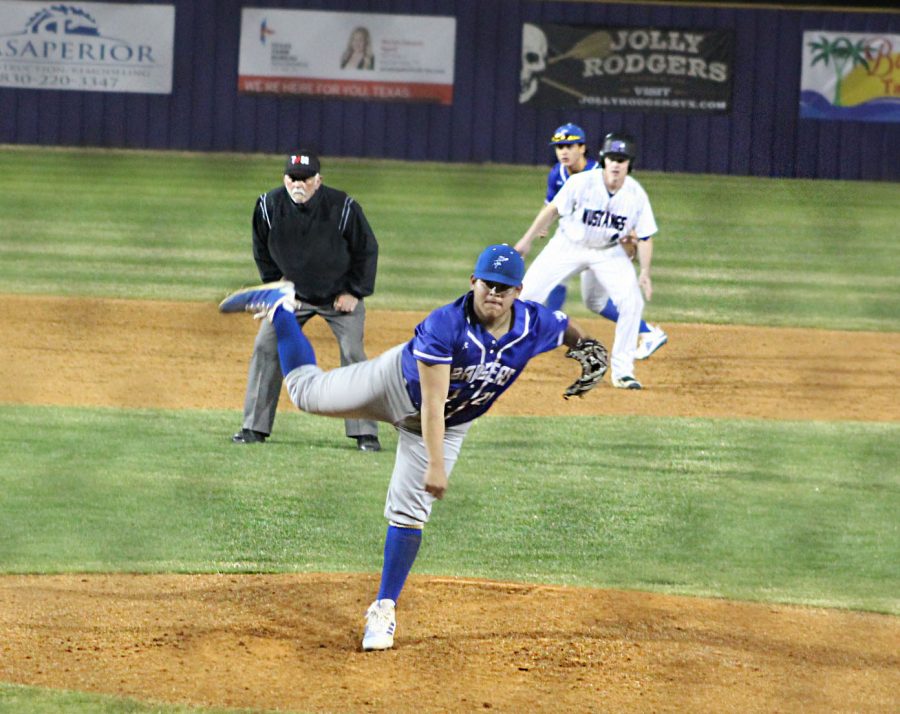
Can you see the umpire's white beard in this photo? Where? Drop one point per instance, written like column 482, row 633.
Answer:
column 302, row 192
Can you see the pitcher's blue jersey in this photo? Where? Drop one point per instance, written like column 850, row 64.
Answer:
column 559, row 175
column 482, row 367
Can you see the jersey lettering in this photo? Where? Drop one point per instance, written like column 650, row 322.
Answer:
column 491, row 373
column 603, row 219
column 481, row 365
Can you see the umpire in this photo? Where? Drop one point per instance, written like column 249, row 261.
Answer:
column 318, row 238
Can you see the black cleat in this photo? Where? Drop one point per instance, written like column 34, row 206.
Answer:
column 248, row 436
column 368, row 443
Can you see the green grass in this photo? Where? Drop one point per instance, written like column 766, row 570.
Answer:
column 692, row 506
column 177, row 226
column 815, row 253
column 17, row 699
column 769, row 511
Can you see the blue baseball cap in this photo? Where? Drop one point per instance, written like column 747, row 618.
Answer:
column 567, row 134
column 500, row 264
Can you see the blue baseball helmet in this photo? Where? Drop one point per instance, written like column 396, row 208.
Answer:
column 500, row 264
column 567, row 134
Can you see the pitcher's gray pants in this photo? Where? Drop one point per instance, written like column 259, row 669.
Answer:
column 376, row 390
column 264, row 378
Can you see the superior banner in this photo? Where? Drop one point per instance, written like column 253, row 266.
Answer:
column 852, row 76
column 350, row 55
column 88, row 47
column 640, row 68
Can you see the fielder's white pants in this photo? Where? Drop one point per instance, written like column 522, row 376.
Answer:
column 609, row 275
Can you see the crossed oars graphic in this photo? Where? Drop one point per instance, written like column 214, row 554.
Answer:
column 597, row 44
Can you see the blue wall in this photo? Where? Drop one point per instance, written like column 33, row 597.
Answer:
column 761, row 136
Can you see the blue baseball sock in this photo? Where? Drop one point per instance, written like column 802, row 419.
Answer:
column 610, row 312
column 294, row 350
column 557, row 297
column 401, row 545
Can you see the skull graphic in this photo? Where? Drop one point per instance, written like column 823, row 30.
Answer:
column 534, row 60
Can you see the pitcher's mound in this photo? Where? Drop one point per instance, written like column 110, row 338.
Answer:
column 292, row 642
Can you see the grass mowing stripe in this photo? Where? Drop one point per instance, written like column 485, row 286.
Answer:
column 796, row 512
column 773, row 278
column 190, row 214
column 171, row 256
column 35, row 700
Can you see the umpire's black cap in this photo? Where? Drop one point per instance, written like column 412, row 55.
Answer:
column 302, row 165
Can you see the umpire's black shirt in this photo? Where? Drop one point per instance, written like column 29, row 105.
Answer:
column 324, row 246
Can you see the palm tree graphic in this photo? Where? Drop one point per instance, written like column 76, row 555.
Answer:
column 841, row 51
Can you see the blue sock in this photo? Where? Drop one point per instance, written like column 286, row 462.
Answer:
column 557, row 297
column 610, row 312
column 401, row 545
column 294, row 350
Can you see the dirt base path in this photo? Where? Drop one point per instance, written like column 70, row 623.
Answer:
column 291, row 642
column 126, row 353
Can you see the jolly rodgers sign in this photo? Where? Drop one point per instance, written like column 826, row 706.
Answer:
column 647, row 69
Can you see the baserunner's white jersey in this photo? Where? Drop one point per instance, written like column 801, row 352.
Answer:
column 590, row 216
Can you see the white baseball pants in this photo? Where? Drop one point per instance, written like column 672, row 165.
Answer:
column 609, row 274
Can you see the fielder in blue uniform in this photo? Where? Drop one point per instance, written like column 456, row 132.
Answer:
column 570, row 146
column 462, row 357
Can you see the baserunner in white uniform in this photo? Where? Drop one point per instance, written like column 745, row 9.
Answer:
column 597, row 212
column 570, row 146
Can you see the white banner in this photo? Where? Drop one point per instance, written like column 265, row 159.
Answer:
column 348, row 55
column 853, row 76
column 88, row 47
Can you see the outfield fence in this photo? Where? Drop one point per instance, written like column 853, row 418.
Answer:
column 760, row 134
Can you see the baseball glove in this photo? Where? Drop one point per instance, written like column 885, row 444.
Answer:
column 594, row 361
column 629, row 243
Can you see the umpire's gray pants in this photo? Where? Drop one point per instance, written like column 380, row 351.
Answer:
column 376, row 389
column 264, row 378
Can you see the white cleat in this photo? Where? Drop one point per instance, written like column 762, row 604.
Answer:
column 649, row 342
column 381, row 621
column 626, row 382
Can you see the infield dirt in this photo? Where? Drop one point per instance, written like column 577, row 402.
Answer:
column 291, row 642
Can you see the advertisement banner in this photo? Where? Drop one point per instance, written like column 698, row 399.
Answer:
column 347, row 55
column 853, row 76
column 87, row 47
column 640, row 68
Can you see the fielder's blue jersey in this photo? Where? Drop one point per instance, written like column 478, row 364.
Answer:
column 559, row 175
column 482, row 367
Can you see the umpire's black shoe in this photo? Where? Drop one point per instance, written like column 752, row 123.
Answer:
column 248, row 436
column 368, row 443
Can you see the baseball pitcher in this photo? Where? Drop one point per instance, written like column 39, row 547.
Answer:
column 462, row 357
